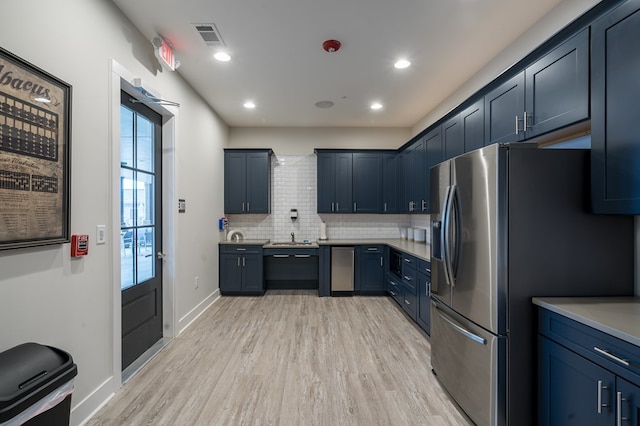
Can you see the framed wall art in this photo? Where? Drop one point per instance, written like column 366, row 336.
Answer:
column 35, row 115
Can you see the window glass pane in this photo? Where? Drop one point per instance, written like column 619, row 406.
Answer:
column 127, row 257
column 144, row 144
column 127, row 198
column 146, row 257
column 145, row 198
column 126, row 136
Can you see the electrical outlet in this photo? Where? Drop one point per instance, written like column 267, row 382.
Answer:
column 197, row 280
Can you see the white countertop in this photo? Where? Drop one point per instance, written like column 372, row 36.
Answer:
column 617, row 316
column 417, row 249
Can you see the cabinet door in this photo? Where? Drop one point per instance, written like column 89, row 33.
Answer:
column 615, row 90
column 389, row 184
column 343, row 182
column 367, row 183
column 410, row 182
column 326, row 182
column 557, row 87
column 371, row 270
column 394, row 288
column 235, row 175
column 420, row 191
column 258, row 183
column 424, row 304
column 503, row 109
column 404, row 191
column 452, row 138
column 433, row 146
column 568, row 389
column 629, row 403
column 252, row 276
column 230, row 273
column 472, row 119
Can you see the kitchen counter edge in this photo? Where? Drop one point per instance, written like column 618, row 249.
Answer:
column 417, row 249
column 616, row 316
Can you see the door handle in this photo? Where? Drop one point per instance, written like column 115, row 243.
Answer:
column 161, row 255
column 601, row 404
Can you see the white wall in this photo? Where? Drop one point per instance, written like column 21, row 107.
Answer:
column 47, row 297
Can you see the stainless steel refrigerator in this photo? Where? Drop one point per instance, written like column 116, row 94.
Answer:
column 511, row 222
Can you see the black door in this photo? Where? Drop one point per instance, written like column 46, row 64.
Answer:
column 141, row 228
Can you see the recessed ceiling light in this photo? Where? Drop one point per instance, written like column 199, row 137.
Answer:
column 324, row 104
column 222, row 56
column 402, row 63
column 249, row 105
column 376, row 105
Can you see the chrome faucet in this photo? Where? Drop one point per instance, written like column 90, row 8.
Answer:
column 293, row 237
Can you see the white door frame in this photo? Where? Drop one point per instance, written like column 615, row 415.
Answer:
column 121, row 79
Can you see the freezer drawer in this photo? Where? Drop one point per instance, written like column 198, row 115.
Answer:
column 465, row 359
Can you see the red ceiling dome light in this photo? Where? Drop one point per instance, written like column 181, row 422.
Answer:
column 331, row 45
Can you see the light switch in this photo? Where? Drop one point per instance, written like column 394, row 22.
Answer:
column 101, row 234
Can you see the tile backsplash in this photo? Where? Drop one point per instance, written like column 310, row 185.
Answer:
column 293, row 186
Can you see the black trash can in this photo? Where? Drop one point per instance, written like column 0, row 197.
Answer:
column 36, row 383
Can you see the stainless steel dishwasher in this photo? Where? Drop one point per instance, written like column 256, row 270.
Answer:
column 342, row 271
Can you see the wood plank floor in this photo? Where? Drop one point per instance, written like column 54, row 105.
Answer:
column 289, row 358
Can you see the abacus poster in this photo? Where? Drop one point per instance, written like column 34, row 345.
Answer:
column 35, row 112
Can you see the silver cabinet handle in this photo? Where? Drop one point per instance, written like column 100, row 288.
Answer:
column 337, row 206
column 385, row 207
column 407, row 260
column 406, row 302
column 280, row 255
column 609, row 355
column 524, row 125
column 238, row 261
column 243, row 206
column 517, row 130
column 240, row 249
column 392, row 283
column 407, row 278
column 372, row 249
column 331, row 206
column 424, row 205
column 381, row 262
column 243, row 264
column 302, row 255
column 601, row 404
column 248, row 209
column 355, row 207
column 619, row 418
column 392, row 293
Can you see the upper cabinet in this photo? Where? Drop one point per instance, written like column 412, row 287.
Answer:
column 550, row 94
column 472, row 122
column 615, row 90
column 334, row 183
column 367, row 182
column 247, row 181
column 390, row 183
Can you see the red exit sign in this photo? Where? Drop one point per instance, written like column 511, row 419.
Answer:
column 164, row 53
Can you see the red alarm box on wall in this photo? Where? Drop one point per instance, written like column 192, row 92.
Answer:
column 79, row 245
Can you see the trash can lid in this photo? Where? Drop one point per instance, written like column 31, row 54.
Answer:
column 30, row 365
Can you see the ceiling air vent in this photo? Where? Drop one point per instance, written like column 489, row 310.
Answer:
column 209, row 34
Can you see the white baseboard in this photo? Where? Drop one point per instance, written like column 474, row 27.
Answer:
column 88, row 407
column 200, row 308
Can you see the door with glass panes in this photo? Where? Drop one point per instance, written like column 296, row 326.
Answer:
column 141, row 227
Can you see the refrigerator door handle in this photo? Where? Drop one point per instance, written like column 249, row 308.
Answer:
column 454, row 223
column 446, row 235
column 478, row 339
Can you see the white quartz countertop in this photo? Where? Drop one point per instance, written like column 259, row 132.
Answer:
column 245, row 242
column 417, row 249
column 617, row 316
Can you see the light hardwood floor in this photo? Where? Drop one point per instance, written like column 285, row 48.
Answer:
column 289, row 358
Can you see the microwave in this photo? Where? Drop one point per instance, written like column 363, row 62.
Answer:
column 395, row 262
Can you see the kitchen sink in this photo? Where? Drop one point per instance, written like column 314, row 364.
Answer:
column 292, row 244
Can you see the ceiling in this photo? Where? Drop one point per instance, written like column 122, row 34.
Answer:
column 278, row 61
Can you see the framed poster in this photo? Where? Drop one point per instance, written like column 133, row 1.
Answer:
column 35, row 114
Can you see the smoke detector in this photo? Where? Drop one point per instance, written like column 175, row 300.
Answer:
column 331, row 46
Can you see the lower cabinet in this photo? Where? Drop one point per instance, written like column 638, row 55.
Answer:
column 241, row 269
column 369, row 273
column 423, row 317
column 585, row 377
column 394, row 288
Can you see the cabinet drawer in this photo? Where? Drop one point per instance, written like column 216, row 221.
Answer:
column 394, row 288
column 371, row 249
column 409, row 261
column 240, row 249
column 410, row 279
column 612, row 353
column 424, row 266
column 410, row 303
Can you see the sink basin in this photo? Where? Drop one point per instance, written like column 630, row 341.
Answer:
column 292, row 244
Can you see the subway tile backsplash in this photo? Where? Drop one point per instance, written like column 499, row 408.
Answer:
column 293, row 186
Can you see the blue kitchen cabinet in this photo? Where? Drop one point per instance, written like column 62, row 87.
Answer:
column 241, row 269
column 553, row 92
column 568, row 392
column 434, row 155
column 324, row 271
column 370, row 269
column 390, row 183
column 615, row 90
column 334, row 182
column 452, row 137
column 472, row 121
column 394, row 288
column 423, row 316
column 409, row 285
column 557, row 87
column 247, row 181
column 585, row 376
column 367, row 182
column 404, row 193
column 410, row 183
